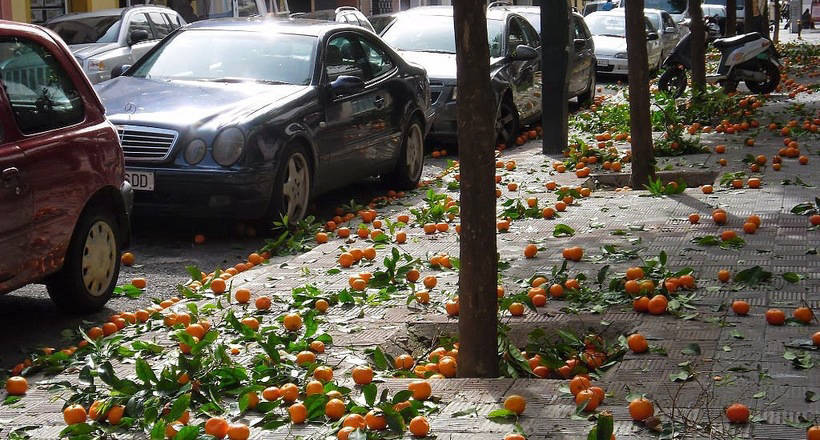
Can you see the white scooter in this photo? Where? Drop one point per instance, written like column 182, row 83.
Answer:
column 750, row 58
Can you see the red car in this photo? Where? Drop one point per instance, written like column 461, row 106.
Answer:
column 64, row 202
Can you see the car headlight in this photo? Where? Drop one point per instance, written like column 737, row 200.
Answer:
column 195, row 151
column 454, row 95
column 621, row 55
column 228, row 146
column 95, row 65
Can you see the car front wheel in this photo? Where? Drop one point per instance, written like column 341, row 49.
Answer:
column 291, row 192
column 92, row 264
column 409, row 166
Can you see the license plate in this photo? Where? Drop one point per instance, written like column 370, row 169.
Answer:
column 603, row 62
column 140, row 180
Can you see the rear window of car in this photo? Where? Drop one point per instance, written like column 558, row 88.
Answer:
column 101, row 29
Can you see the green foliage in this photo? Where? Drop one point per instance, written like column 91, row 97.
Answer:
column 656, row 187
column 292, row 237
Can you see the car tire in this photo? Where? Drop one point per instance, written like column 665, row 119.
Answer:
column 507, row 123
column 291, row 185
column 92, row 263
column 410, row 163
column 587, row 98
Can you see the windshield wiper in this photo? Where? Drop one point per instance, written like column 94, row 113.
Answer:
column 433, row 51
column 611, row 35
column 233, row 79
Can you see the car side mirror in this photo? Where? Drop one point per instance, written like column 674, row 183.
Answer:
column 669, row 30
column 523, row 52
column 119, row 70
column 137, row 35
column 579, row 43
column 346, row 84
column 652, row 36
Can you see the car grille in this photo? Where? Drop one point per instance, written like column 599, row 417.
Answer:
column 146, row 144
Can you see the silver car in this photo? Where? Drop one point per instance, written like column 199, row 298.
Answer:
column 667, row 28
column 102, row 41
column 609, row 34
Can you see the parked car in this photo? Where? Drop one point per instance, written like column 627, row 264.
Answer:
column 591, row 7
column 609, row 32
column 63, row 195
column 104, row 40
column 194, row 10
column 344, row 14
column 381, row 21
column 425, row 35
column 678, row 9
column 250, row 118
column 740, row 12
column 582, row 66
column 667, row 30
column 719, row 14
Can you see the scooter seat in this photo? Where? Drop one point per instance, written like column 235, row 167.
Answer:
column 723, row 43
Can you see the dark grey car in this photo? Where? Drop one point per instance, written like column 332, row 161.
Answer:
column 425, row 36
column 250, row 118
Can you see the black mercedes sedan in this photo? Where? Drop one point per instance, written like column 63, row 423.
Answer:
column 250, row 118
column 425, row 35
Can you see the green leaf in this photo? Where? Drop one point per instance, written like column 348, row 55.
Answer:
column 604, row 428
column 179, row 407
column 811, row 396
column 562, row 230
column 158, row 430
column 793, row 277
column 379, row 359
column 501, row 414
column 369, row 391
column 144, row 372
column 190, row 432
column 753, row 276
column 402, row 396
column 12, row 399
column 692, row 349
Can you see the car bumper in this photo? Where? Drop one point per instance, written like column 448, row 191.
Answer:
column 241, row 194
column 616, row 66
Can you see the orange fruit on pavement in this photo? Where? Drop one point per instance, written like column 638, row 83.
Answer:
column 632, row 287
column 412, row 275
column 707, row 189
column 420, row 388
column 516, row 309
column 139, row 283
column 262, row 303
column 74, row 414
column 362, row 375
column 539, row 300
column 574, row 253
column 724, row 275
column 740, row 307
column 218, row 285
column 271, row 393
column 815, row 339
column 369, row 253
column 515, row 403
column 314, row 387
column 578, row 384
column 657, row 305
column 94, row 333
column 321, row 305
column 728, row 235
column 589, row 397
column 813, row 433
column 775, row 317
column 355, row 421
column 634, row 273
column 346, row 259
column 719, row 217
column 292, row 322
column 803, row 314
column 109, row 328
column 641, row 304
column 447, row 366
column 403, row 362
column 514, row 437
column 637, row 343
column 298, row 413
column 16, row 386
column 253, row 323
column 317, row 346
column 687, row 281
column 452, row 308
column 556, row 291
column 814, row 219
column 530, row 250
column 115, row 414
column 195, row 330
column 217, row 427
column 419, row 426
column 430, row 281
column 323, row 373
column 737, row 413
column 344, row 433
column 375, row 420
column 253, row 400
column 334, row 409
column 238, row 431
column 289, row 392
column 321, row 237
column 641, row 409
column 127, row 259
column 94, row 411
column 305, row 357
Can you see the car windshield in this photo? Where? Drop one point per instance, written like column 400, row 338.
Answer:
column 713, row 11
column 102, row 29
column 670, row 6
column 534, row 19
column 606, row 25
column 435, row 33
column 232, row 56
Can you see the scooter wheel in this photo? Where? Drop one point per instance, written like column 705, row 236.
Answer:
column 772, row 79
column 673, row 82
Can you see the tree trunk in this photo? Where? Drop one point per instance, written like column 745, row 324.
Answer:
column 776, row 36
column 477, row 325
column 555, row 43
column 643, row 162
column 698, row 46
column 731, row 17
column 748, row 16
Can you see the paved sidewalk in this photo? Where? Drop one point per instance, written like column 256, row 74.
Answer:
column 737, row 359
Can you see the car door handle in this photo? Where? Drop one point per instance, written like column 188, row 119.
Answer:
column 379, row 101
column 10, row 174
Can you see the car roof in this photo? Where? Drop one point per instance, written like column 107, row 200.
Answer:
column 495, row 13
column 110, row 12
column 615, row 11
column 300, row 26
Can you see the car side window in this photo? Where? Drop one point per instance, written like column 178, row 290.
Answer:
column 173, row 20
column 649, row 27
column 515, row 35
column 378, row 61
column 161, row 27
column 343, row 57
column 533, row 40
column 140, row 22
column 578, row 29
column 247, row 8
column 668, row 21
column 40, row 92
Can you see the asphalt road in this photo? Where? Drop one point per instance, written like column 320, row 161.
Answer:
column 163, row 248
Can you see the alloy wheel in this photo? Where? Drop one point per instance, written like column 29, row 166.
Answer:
column 99, row 258
column 414, row 151
column 295, row 190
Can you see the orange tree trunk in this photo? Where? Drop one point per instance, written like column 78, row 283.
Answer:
column 698, row 46
column 643, row 161
column 555, row 43
column 477, row 325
